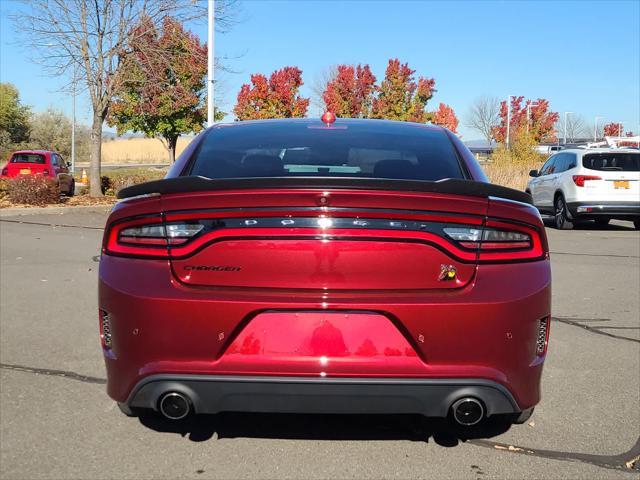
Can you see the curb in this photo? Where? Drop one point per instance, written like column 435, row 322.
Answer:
column 15, row 212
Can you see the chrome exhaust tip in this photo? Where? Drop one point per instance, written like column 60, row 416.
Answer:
column 467, row 411
column 174, row 405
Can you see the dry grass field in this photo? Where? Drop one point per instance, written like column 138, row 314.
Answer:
column 515, row 175
column 138, row 150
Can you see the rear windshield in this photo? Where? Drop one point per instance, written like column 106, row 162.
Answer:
column 621, row 162
column 377, row 149
column 27, row 158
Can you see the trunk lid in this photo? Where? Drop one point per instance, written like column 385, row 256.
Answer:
column 323, row 239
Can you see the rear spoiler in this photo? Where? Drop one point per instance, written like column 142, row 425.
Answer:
column 203, row 184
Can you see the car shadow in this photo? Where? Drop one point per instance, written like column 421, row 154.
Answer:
column 593, row 226
column 199, row 428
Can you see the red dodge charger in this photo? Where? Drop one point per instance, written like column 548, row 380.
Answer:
column 325, row 266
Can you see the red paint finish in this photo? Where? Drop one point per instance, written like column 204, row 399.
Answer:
column 320, row 343
column 50, row 165
column 13, row 169
column 356, row 303
column 320, row 264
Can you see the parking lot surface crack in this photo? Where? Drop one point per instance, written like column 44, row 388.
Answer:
column 46, row 224
column 624, row 461
column 54, row 373
column 594, row 254
column 576, row 322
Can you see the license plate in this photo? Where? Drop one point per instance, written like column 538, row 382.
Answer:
column 25, row 171
column 621, row 184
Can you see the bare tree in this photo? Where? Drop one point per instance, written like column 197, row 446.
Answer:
column 484, row 116
column 92, row 37
column 576, row 128
column 319, row 85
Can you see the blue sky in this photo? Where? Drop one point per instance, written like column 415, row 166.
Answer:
column 584, row 56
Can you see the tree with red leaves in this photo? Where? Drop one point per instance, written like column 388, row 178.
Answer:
column 400, row 96
column 350, row 92
column 445, row 117
column 612, row 129
column 539, row 124
column 159, row 87
column 276, row 97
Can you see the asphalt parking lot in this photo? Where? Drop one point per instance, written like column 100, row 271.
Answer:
column 56, row 421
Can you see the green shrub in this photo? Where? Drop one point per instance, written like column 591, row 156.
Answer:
column 33, row 190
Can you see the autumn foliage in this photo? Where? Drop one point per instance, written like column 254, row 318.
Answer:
column 159, row 88
column 402, row 97
column 612, row 129
column 275, row 97
column 539, row 124
column 445, row 117
column 351, row 92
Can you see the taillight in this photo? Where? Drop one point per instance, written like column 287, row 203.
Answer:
column 500, row 241
column 542, row 341
column 580, row 179
column 488, row 239
column 148, row 237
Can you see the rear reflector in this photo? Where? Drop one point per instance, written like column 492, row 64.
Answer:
column 543, row 336
column 580, row 179
column 105, row 330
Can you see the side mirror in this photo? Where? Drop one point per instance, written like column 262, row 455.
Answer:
column 534, row 173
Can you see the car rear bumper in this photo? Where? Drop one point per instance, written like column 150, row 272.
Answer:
column 596, row 209
column 429, row 397
column 486, row 332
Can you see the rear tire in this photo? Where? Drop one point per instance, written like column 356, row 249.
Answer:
column 602, row 221
column 72, row 189
column 560, row 211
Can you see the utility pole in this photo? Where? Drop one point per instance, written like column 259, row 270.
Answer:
column 566, row 114
column 595, row 129
column 210, row 64
column 508, row 120
column 619, row 129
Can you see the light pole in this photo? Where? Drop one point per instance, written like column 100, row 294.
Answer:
column 508, row 119
column 595, row 128
column 73, row 121
column 619, row 129
column 529, row 105
column 210, row 64
column 566, row 114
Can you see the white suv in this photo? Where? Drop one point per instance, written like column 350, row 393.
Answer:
column 588, row 184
